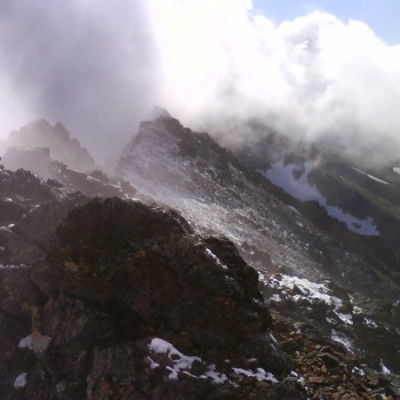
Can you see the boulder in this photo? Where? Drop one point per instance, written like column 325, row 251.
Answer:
column 129, row 303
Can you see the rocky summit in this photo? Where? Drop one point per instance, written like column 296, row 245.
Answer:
column 55, row 140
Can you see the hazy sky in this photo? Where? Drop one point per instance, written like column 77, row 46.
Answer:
column 99, row 66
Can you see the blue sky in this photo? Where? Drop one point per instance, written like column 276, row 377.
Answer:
column 381, row 15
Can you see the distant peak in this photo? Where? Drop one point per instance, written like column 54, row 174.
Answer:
column 159, row 112
column 41, row 134
column 59, row 126
column 38, row 124
column 60, row 129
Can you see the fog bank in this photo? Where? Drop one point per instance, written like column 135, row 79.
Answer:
column 99, row 68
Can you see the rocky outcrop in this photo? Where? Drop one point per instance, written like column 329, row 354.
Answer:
column 328, row 371
column 56, row 139
column 92, row 184
column 31, row 209
column 129, row 303
column 363, row 327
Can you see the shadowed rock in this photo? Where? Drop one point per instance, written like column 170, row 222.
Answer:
column 129, row 303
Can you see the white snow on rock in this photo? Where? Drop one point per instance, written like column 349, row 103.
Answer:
column 20, row 380
column 216, row 259
column 358, row 371
column 12, row 266
column 370, row 176
column 182, row 364
column 377, row 179
column 275, row 297
column 385, row 370
column 370, row 323
column 357, row 310
column 310, row 289
column 260, row 374
column 179, row 360
column 307, row 290
column 346, row 318
column 300, row 188
column 396, row 170
column 343, row 339
column 26, row 343
column 282, row 176
column 215, row 376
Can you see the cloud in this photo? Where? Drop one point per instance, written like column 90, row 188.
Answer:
column 89, row 64
column 99, row 66
column 311, row 76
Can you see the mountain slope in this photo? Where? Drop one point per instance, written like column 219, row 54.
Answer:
column 362, row 192
column 273, row 230
column 214, row 191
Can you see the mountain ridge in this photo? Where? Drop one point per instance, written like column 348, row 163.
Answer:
column 324, row 330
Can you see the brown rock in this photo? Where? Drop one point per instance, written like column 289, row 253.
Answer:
column 317, row 379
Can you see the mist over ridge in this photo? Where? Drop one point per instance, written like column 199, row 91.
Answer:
column 99, row 68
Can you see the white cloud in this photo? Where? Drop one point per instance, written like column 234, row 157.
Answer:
column 314, row 74
column 97, row 66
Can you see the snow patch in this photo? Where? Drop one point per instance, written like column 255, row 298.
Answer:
column 396, row 170
column 20, row 380
column 343, row 339
column 26, row 343
column 357, row 310
column 370, row 323
column 311, row 290
column 370, row 176
column 358, row 371
column 216, row 259
column 260, row 374
column 385, row 370
column 217, row 377
column 275, row 297
column 179, row 360
column 181, row 363
column 295, row 210
column 12, row 266
column 153, row 364
column 92, row 179
column 377, row 179
column 346, row 318
column 284, row 176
